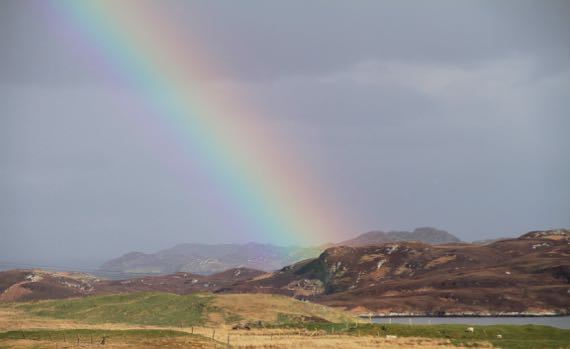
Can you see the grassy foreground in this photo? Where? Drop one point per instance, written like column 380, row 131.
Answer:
column 162, row 320
column 512, row 336
column 144, row 339
column 71, row 335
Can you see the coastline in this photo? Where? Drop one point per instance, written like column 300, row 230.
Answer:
column 463, row 315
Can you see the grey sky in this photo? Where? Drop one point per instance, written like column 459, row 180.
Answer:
column 453, row 114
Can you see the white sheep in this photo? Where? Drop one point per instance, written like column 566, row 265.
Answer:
column 470, row 329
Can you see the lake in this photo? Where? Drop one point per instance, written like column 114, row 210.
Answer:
column 555, row 321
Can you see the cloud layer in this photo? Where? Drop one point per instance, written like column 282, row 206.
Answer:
column 452, row 114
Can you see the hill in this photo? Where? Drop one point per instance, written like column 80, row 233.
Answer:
column 28, row 284
column 31, row 284
column 425, row 234
column 185, row 310
column 527, row 275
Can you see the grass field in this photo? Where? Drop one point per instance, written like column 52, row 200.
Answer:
column 165, row 309
column 512, row 336
column 145, row 339
column 161, row 320
column 162, row 309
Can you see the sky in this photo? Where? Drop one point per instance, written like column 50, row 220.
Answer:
column 451, row 114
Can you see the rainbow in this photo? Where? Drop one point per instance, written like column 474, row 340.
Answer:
column 269, row 185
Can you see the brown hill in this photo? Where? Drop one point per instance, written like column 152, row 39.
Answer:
column 31, row 284
column 530, row 274
column 181, row 283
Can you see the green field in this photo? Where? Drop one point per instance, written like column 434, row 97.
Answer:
column 513, row 336
column 160, row 309
column 89, row 334
column 99, row 338
column 166, row 309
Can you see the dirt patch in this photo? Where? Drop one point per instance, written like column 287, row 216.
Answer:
column 439, row 261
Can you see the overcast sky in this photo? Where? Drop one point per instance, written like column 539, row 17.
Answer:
column 452, row 114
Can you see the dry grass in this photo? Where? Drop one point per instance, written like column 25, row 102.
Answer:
column 441, row 260
column 12, row 319
column 266, row 307
column 243, row 342
column 304, row 339
column 118, row 343
column 340, row 342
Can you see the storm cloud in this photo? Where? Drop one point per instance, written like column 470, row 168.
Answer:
column 451, row 114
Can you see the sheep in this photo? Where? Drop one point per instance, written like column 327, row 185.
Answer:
column 470, row 329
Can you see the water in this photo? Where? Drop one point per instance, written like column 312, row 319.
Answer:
column 554, row 321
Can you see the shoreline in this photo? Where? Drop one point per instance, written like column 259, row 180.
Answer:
column 462, row 315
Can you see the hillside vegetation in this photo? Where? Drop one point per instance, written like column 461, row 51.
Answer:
column 528, row 275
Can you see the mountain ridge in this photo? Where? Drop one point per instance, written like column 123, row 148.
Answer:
column 212, row 258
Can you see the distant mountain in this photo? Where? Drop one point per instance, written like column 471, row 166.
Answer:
column 425, row 234
column 214, row 258
column 208, row 259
